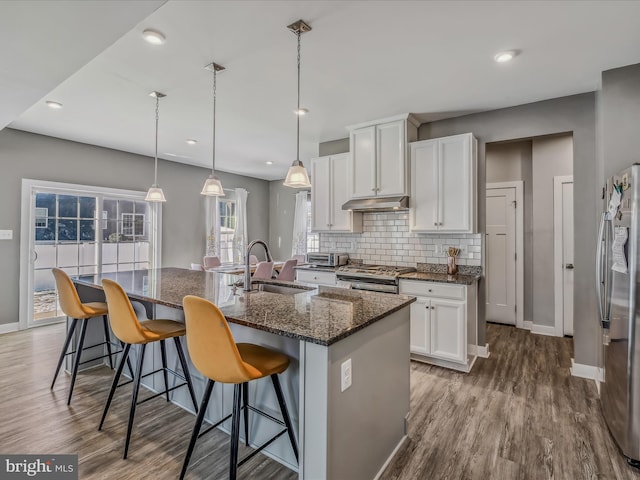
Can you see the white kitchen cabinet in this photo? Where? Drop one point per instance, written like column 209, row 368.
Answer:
column 379, row 156
column 330, row 189
column 443, row 323
column 317, row 277
column 443, row 185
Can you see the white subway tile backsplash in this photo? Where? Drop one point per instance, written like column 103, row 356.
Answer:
column 386, row 240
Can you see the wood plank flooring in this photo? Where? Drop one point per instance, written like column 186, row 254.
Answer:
column 518, row 415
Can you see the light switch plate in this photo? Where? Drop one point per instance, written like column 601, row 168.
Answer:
column 6, row 234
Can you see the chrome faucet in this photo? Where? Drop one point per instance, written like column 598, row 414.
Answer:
column 247, row 267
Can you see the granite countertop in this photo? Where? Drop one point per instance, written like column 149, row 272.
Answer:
column 441, row 277
column 322, row 315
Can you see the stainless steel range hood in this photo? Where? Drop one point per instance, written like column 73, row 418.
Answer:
column 377, row 204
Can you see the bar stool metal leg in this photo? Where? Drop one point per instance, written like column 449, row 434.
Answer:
column 107, row 338
column 114, row 384
column 185, row 370
column 196, row 428
column 245, row 407
column 74, row 374
column 163, row 354
column 134, row 398
column 63, row 353
column 235, row 432
column 285, row 413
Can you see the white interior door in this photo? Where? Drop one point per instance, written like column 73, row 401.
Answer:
column 563, row 234
column 501, row 255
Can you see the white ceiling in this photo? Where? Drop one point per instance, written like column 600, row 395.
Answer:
column 363, row 60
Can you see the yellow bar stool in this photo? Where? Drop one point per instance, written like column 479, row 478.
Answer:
column 131, row 331
column 80, row 312
column 215, row 354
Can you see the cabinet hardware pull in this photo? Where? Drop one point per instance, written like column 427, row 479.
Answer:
column 430, row 290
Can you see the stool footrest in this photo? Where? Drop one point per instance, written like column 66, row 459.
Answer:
column 261, row 447
column 211, row 427
column 161, row 393
column 266, row 415
column 94, row 346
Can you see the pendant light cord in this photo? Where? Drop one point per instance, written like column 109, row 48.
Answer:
column 213, row 155
column 155, row 175
column 298, row 110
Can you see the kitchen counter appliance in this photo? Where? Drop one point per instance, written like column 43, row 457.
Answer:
column 375, row 278
column 618, row 295
column 327, row 259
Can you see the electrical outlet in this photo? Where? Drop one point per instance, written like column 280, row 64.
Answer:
column 346, row 375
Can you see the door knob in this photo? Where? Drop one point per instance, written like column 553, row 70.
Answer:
column 569, row 266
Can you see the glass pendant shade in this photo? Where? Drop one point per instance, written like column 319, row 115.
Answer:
column 297, row 176
column 212, row 187
column 155, row 194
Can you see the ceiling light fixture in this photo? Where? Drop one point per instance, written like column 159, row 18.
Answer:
column 502, row 57
column 153, row 37
column 191, row 141
column 297, row 175
column 269, row 162
column 212, row 186
column 301, row 111
column 155, row 193
column 53, row 105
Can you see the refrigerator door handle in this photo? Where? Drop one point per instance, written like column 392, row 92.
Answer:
column 599, row 262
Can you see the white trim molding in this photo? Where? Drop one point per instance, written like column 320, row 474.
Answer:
column 9, row 327
column 558, row 268
column 527, row 324
column 483, row 352
column 587, row 371
column 544, row 330
column 390, row 458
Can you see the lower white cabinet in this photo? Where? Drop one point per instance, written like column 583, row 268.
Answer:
column 443, row 323
column 316, row 277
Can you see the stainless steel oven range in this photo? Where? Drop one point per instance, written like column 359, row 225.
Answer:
column 375, row 278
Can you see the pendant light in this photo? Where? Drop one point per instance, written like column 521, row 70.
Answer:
column 155, row 193
column 212, row 186
column 297, row 175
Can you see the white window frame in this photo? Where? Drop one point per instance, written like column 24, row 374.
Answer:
column 124, row 227
column 29, row 187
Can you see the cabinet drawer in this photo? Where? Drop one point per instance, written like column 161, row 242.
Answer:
column 319, row 278
column 432, row 289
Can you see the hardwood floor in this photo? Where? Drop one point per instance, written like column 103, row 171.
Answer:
column 518, row 415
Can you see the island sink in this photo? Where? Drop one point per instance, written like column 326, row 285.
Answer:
column 281, row 289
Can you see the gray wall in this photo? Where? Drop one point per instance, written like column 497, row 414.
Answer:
column 574, row 114
column 27, row 155
column 334, row 147
column 511, row 161
column 551, row 157
column 282, row 205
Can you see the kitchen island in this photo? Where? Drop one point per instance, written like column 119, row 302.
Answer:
column 333, row 336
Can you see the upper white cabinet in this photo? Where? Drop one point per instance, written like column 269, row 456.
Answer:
column 379, row 154
column 443, row 185
column 330, row 189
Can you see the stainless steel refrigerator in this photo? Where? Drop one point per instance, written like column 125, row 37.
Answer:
column 618, row 284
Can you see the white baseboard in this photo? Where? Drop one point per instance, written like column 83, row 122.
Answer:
column 9, row 327
column 543, row 330
column 585, row 371
column 483, row 352
column 527, row 324
column 393, row 454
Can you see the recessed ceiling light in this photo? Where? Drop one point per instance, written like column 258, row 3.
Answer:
column 153, row 37
column 54, row 105
column 301, row 111
column 169, row 154
column 505, row 56
column 191, row 141
column 269, row 162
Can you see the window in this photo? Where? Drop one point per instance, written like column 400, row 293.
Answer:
column 313, row 238
column 227, row 215
column 41, row 214
column 133, row 224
